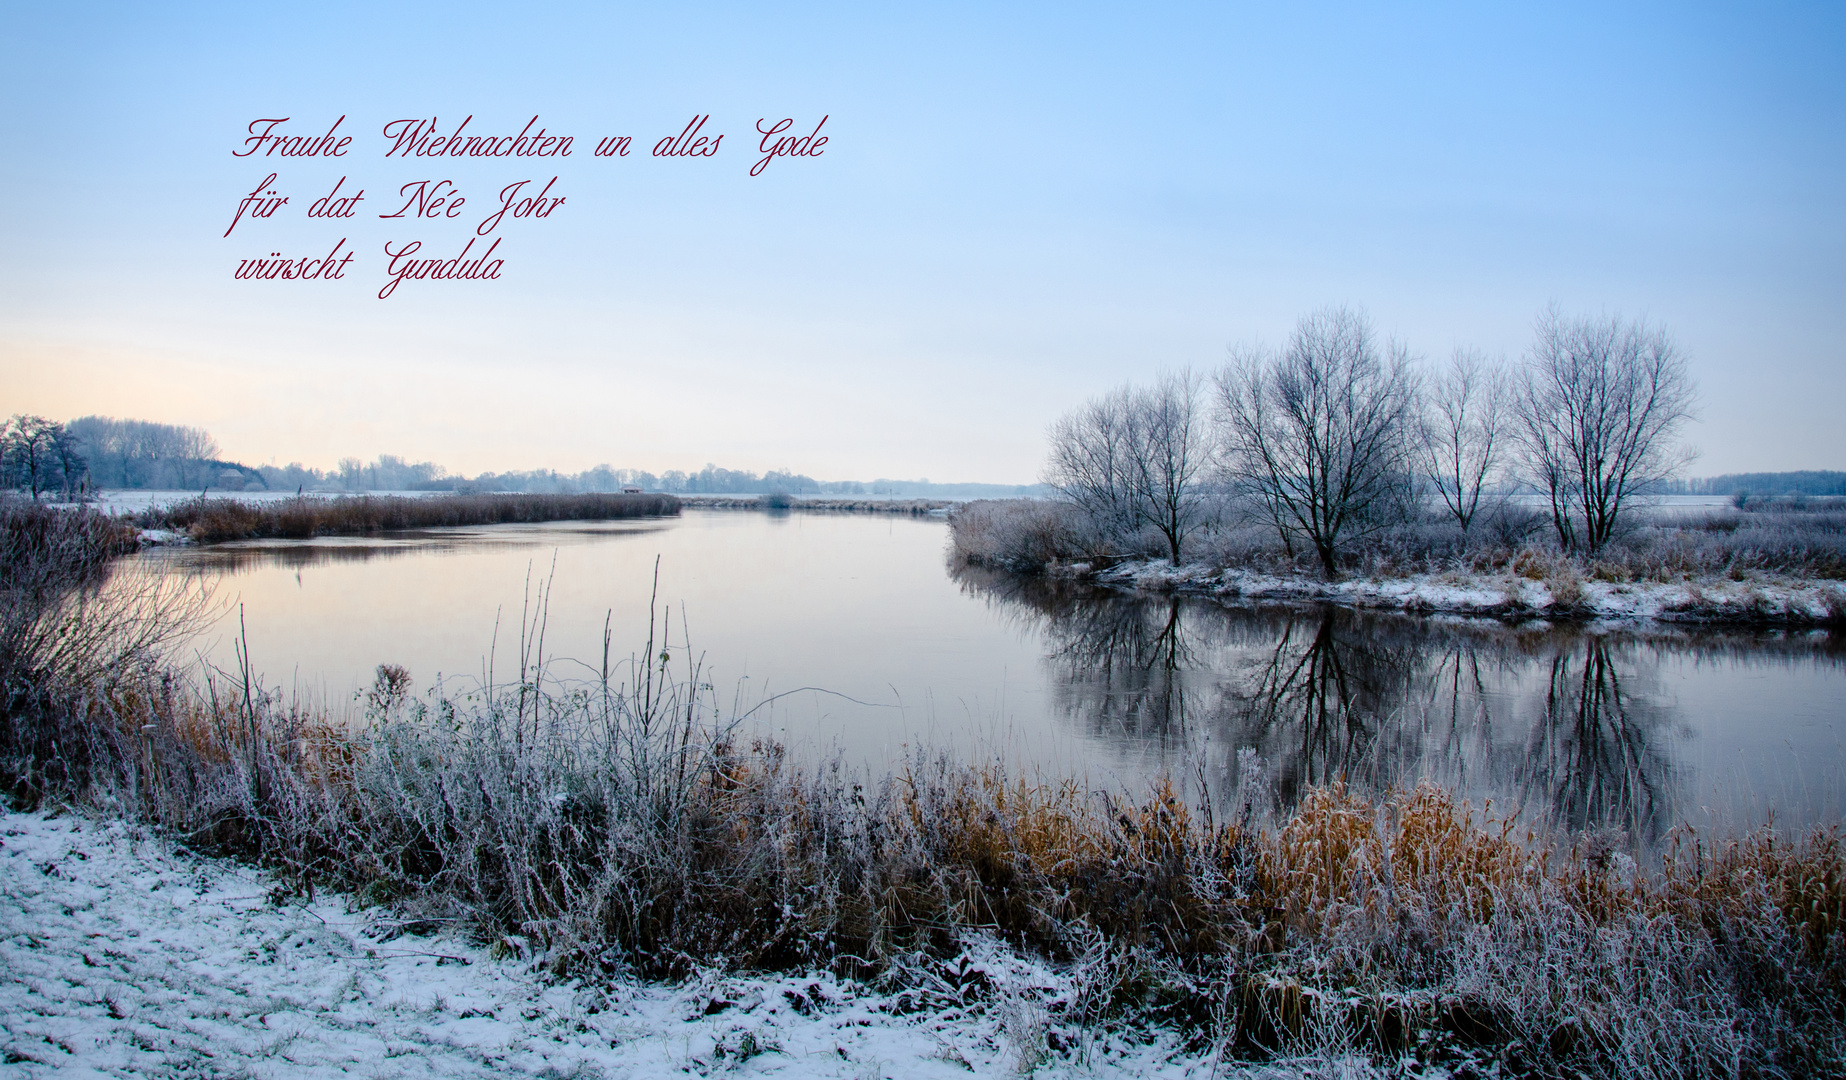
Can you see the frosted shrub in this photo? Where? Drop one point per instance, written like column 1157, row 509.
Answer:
column 1017, row 534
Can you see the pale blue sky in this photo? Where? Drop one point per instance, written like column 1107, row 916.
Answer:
column 1015, row 211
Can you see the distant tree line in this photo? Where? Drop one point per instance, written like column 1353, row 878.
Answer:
column 391, row 473
column 144, row 454
column 65, row 460
column 1337, row 434
column 1811, row 482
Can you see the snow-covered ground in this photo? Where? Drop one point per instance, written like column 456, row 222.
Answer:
column 122, row 955
column 1765, row 597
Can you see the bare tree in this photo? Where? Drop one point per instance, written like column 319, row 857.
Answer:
column 1463, row 431
column 1320, row 431
column 1167, row 436
column 1598, row 404
column 1089, row 463
column 1136, row 458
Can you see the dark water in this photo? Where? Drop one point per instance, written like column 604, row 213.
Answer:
column 878, row 647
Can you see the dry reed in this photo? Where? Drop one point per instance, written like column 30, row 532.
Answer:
column 212, row 520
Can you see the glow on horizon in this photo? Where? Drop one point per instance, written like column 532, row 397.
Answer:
column 1016, row 211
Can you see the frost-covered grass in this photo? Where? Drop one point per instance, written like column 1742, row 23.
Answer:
column 243, row 519
column 124, row 955
column 1772, row 565
column 1407, row 929
column 1539, row 588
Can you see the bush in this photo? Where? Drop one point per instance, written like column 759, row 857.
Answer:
column 1018, row 534
column 54, row 613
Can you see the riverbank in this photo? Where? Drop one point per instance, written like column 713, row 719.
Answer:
column 125, row 954
column 1766, row 567
column 1547, row 590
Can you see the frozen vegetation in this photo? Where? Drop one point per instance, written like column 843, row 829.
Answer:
column 809, row 504
column 1541, row 590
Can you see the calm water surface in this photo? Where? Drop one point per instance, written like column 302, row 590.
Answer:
column 884, row 647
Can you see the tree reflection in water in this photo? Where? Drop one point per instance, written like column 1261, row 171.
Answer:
column 1596, row 753
column 1569, row 728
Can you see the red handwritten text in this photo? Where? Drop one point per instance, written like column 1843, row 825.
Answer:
column 418, row 138
column 269, row 143
column 808, row 145
column 533, row 206
column 403, row 266
column 260, row 203
column 440, row 199
column 304, row 269
column 684, row 145
column 329, row 207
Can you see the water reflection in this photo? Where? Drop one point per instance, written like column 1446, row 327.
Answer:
column 1572, row 729
column 1596, row 755
column 256, row 555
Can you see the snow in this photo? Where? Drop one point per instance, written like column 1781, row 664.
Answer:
column 1764, row 597
column 123, row 955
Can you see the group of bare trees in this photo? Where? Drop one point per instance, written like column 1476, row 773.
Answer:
column 1337, row 434
column 41, row 456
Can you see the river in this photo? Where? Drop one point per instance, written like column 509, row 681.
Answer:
column 862, row 640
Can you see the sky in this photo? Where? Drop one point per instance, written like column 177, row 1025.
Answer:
column 1018, row 207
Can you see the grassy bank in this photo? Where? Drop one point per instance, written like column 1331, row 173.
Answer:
column 1769, row 564
column 210, row 520
column 624, row 823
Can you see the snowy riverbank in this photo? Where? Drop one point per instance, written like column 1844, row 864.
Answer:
column 121, row 955
column 1554, row 593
